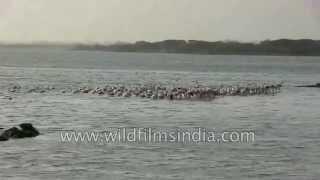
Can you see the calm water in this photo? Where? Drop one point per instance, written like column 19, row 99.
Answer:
column 287, row 126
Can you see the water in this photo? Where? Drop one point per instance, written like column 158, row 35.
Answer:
column 286, row 126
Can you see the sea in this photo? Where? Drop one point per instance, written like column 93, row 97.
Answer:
column 36, row 87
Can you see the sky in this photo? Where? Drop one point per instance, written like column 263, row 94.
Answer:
column 154, row 20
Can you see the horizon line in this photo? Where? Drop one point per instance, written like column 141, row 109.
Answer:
column 49, row 42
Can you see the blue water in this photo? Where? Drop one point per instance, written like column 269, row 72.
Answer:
column 286, row 126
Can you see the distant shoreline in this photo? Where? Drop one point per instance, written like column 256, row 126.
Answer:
column 181, row 53
column 280, row 47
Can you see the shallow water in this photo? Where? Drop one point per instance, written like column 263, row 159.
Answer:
column 286, row 126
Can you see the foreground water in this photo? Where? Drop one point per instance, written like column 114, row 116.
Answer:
column 286, row 126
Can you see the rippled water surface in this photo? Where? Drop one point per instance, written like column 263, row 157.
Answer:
column 287, row 126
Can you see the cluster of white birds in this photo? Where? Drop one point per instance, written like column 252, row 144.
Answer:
column 162, row 92
column 181, row 93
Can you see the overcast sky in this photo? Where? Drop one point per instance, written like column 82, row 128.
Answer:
column 131, row 20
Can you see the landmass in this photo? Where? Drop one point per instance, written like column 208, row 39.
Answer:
column 290, row 47
column 301, row 47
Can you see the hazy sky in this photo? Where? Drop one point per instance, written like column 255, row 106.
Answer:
column 131, row 20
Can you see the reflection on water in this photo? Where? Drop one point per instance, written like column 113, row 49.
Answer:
column 286, row 125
